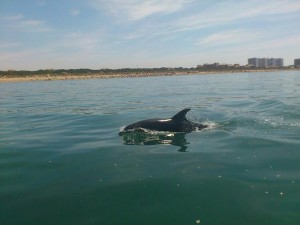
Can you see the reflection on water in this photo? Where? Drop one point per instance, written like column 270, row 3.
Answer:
column 142, row 137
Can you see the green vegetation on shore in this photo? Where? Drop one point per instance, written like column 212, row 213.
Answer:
column 125, row 71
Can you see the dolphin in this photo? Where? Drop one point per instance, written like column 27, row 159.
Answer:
column 177, row 123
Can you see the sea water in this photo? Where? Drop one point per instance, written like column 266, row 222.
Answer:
column 62, row 160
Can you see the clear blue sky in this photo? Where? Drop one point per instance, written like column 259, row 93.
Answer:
column 41, row 34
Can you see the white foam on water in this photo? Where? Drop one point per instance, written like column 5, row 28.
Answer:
column 210, row 126
column 122, row 129
column 278, row 122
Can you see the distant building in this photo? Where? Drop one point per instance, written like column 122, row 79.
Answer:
column 273, row 62
column 254, row 62
column 297, row 63
column 211, row 66
column 218, row 66
column 263, row 63
column 266, row 62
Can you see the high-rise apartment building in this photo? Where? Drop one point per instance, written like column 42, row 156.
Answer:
column 263, row 63
column 254, row 62
column 297, row 63
column 266, row 62
column 275, row 62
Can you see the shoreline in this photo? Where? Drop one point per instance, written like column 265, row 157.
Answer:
column 66, row 76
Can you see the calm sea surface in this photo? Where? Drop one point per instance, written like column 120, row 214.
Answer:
column 62, row 160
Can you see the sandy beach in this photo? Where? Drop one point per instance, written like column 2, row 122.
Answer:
column 66, row 76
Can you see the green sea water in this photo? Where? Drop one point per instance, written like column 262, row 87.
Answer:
column 62, row 160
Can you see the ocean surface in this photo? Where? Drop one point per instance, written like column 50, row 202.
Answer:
column 62, row 160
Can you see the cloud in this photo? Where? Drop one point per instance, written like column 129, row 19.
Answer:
column 229, row 37
column 20, row 23
column 81, row 40
column 13, row 17
column 85, row 42
column 166, row 32
column 285, row 42
column 231, row 12
column 32, row 23
column 41, row 3
column 135, row 10
column 273, row 46
column 74, row 12
column 192, row 15
column 225, row 13
column 9, row 45
column 34, row 26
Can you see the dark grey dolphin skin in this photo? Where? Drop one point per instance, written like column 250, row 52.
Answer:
column 177, row 123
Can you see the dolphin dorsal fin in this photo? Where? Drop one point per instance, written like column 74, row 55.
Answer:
column 181, row 115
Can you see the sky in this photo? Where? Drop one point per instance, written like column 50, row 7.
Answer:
column 97, row 34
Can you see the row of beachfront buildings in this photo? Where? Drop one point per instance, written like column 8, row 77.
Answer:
column 266, row 62
column 270, row 62
column 253, row 63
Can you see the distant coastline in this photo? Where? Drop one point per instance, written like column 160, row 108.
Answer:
column 80, row 74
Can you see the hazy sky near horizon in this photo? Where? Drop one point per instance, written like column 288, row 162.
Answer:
column 44, row 34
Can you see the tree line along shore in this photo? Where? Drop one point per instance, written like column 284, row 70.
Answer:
column 62, row 74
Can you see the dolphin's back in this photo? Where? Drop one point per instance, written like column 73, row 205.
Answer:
column 177, row 123
column 159, row 124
